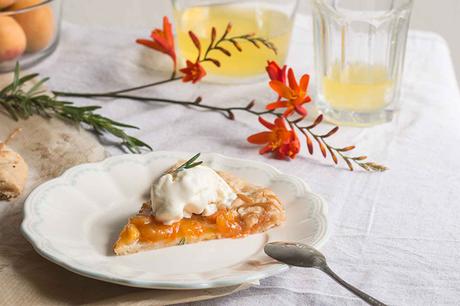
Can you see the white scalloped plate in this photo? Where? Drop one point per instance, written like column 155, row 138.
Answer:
column 73, row 221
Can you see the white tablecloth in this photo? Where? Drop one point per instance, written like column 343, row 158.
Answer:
column 396, row 235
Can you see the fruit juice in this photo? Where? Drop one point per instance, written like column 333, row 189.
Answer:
column 357, row 87
column 245, row 19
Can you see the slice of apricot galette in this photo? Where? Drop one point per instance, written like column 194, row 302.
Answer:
column 192, row 203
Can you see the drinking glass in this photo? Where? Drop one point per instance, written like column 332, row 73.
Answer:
column 269, row 19
column 359, row 56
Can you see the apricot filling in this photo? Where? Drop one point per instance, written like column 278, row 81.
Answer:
column 255, row 210
column 145, row 229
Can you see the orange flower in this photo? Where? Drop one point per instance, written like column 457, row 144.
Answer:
column 294, row 95
column 162, row 40
column 193, row 72
column 275, row 72
column 280, row 140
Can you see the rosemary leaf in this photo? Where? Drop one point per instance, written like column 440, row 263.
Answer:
column 188, row 164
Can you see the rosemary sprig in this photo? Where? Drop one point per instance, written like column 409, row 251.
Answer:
column 188, row 164
column 22, row 104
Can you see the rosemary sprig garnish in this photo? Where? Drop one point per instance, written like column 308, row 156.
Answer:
column 187, row 165
column 22, row 104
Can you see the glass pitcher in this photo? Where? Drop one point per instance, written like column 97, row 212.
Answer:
column 271, row 20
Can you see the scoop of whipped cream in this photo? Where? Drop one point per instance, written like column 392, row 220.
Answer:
column 192, row 191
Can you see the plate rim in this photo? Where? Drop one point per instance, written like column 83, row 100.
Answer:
column 244, row 277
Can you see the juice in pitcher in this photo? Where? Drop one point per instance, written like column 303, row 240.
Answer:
column 246, row 17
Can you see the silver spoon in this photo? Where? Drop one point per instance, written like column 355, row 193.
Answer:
column 302, row 255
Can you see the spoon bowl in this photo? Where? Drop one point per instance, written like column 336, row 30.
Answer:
column 295, row 254
column 302, row 255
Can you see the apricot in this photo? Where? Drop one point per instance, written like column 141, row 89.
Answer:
column 12, row 39
column 5, row 3
column 38, row 24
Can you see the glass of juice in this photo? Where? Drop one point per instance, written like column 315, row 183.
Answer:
column 269, row 19
column 359, row 56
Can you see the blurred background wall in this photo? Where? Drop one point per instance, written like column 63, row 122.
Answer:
column 441, row 16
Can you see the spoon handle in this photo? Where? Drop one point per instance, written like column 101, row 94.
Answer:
column 365, row 297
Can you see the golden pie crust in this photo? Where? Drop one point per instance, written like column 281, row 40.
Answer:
column 255, row 210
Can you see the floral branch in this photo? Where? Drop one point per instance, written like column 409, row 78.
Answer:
column 308, row 131
column 162, row 40
column 21, row 104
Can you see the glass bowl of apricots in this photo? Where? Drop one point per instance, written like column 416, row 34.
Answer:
column 29, row 31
